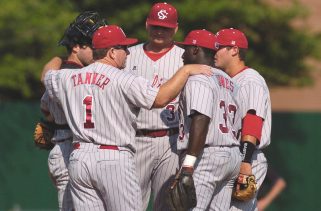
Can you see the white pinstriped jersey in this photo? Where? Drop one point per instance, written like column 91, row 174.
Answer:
column 211, row 96
column 101, row 102
column 253, row 93
column 157, row 72
column 56, row 111
column 47, row 104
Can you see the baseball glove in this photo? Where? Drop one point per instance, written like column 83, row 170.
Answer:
column 244, row 187
column 43, row 135
column 182, row 194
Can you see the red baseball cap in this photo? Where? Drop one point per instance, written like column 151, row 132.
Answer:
column 231, row 37
column 202, row 38
column 110, row 35
column 162, row 14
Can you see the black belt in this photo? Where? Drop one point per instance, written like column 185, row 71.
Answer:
column 61, row 127
column 157, row 133
column 55, row 126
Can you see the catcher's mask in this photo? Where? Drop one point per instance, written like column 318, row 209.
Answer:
column 81, row 30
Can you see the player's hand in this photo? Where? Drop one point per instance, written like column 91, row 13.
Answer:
column 182, row 193
column 246, row 168
column 194, row 69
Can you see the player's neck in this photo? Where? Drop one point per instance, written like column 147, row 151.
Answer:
column 157, row 48
column 108, row 61
column 206, row 61
column 234, row 68
column 73, row 58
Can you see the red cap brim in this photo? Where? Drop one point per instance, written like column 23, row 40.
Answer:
column 182, row 43
column 163, row 24
column 128, row 41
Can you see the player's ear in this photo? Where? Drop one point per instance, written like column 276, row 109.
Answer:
column 111, row 53
column 195, row 50
column 76, row 48
column 235, row 50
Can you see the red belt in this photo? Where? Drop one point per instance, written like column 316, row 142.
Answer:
column 157, row 133
column 112, row 147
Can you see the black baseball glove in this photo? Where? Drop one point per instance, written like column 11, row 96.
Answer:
column 182, row 194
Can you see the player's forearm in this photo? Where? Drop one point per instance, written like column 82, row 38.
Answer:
column 248, row 145
column 169, row 90
column 53, row 64
column 197, row 134
column 197, row 139
column 275, row 191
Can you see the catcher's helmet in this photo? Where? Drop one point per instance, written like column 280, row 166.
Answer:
column 81, row 30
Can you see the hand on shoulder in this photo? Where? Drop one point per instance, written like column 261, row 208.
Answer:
column 194, row 69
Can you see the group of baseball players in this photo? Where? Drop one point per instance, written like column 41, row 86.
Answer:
column 130, row 118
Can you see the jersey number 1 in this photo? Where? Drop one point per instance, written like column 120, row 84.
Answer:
column 88, row 101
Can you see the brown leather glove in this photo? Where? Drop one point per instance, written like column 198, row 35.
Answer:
column 244, row 187
column 43, row 135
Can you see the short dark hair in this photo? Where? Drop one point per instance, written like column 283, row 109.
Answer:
column 100, row 53
column 242, row 52
column 69, row 47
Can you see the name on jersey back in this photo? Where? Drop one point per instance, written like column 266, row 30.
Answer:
column 225, row 82
column 89, row 78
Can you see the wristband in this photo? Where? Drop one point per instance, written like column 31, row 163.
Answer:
column 247, row 148
column 189, row 161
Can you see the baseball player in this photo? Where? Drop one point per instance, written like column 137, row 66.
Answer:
column 252, row 124
column 77, row 40
column 206, row 144
column 101, row 104
column 157, row 130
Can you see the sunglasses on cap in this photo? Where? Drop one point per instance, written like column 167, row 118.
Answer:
column 219, row 47
column 121, row 47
